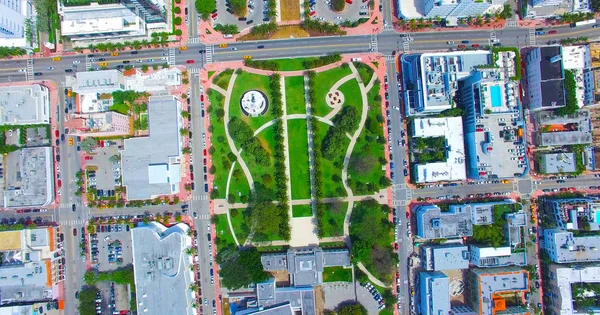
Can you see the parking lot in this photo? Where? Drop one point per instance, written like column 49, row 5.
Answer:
column 365, row 297
column 354, row 11
column 112, row 297
column 107, row 170
column 112, row 248
column 336, row 293
column 254, row 14
column 504, row 156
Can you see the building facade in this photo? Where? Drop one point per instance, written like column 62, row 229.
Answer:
column 14, row 16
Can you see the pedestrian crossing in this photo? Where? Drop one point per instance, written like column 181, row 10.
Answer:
column 29, row 70
column 71, row 222
column 493, row 36
column 531, row 37
column 511, row 23
column 194, row 70
column 171, row 56
column 388, row 27
column 209, row 53
column 203, row 217
column 374, row 47
column 200, row 197
column 193, row 40
column 390, row 58
column 88, row 63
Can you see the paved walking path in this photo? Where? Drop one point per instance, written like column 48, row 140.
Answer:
column 218, row 89
column 231, row 229
column 229, row 139
column 370, row 276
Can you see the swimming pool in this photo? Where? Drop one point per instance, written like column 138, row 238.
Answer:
column 496, row 93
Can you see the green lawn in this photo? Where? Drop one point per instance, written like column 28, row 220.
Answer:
column 365, row 72
column 292, row 64
column 329, row 168
column 334, row 274
column 266, row 137
column 238, row 185
column 223, row 233
column 301, row 211
column 298, row 152
column 324, row 81
column 210, row 74
column 219, row 142
column 294, row 95
column 244, row 82
column 222, row 79
column 120, row 108
column 334, row 218
column 366, row 179
column 238, row 223
column 352, row 96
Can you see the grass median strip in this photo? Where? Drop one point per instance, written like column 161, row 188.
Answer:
column 301, row 211
column 298, row 152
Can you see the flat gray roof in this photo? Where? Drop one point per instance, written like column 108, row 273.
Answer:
column 446, row 257
column 563, row 247
column 434, row 290
column 104, row 81
column 432, row 223
column 299, row 299
column 162, row 269
column 151, row 164
column 553, row 163
column 306, row 265
column 565, row 277
column 498, row 280
column 29, row 178
column 24, row 104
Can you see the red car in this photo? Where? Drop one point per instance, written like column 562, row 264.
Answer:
column 407, row 214
column 215, row 15
column 102, row 143
column 59, row 183
column 386, row 87
column 56, row 133
column 74, row 232
column 190, row 61
column 312, row 13
column 396, row 246
column 87, row 158
column 475, row 45
column 552, row 32
column 201, row 97
column 192, row 176
column 204, row 152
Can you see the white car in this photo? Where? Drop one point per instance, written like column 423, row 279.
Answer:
column 140, row 60
column 76, row 62
column 164, row 58
column 21, row 70
column 150, row 60
column 50, row 68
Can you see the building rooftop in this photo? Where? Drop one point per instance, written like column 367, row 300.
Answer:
column 24, row 104
column 29, row 177
column 162, row 269
column 299, row 299
column 493, row 283
column 454, row 167
column 554, row 163
column 100, row 19
column 432, row 223
column 305, row 265
column 563, row 247
column 551, row 63
column 27, row 272
column 446, row 257
column 496, row 257
column 565, row 277
column 557, row 130
column 553, row 93
column 440, row 73
column 151, row 164
column 103, row 81
column 569, row 211
column 434, row 290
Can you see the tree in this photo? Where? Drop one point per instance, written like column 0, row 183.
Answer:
column 177, row 10
column 352, row 309
column 265, row 220
column 241, row 268
column 205, row 8
column 86, row 299
column 231, row 199
column 144, row 68
column 177, row 21
column 154, row 67
column 178, row 32
column 114, row 158
column 238, row 7
column 88, row 144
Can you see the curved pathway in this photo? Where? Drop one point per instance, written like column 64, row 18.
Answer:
column 231, row 229
column 371, row 277
column 229, row 139
column 218, row 89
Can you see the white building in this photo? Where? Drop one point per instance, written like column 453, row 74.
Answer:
column 577, row 60
column 561, row 291
column 24, row 104
column 13, row 20
column 415, row 9
column 453, row 168
column 162, row 269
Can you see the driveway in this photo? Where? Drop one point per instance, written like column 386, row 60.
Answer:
column 350, row 13
column 225, row 17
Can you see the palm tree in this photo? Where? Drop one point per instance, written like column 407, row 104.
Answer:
column 91, row 47
column 184, row 132
column 187, row 150
column 189, row 251
column 145, row 43
column 193, row 287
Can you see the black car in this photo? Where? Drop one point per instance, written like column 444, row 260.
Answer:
column 76, row 294
column 190, row 135
column 37, row 73
column 119, row 67
column 260, row 46
column 405, row 172
column 57, row 142
column 186, row 10
column 62, row 137
column 68, row 70
column 125, row 61
column 209, row 237
column 230, row 11
column 266, row 19
column 205, row 187
column 73, row 207
column 134, row 52
column 202, row 113
column 202, row 51
column 242, row 19
column 193, row 186
column 101, row 59
column 66, row 110
column 250, row 22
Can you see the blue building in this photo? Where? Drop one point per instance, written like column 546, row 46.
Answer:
column 434, row 290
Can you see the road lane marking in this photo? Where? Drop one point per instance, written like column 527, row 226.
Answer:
column 225, row 52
